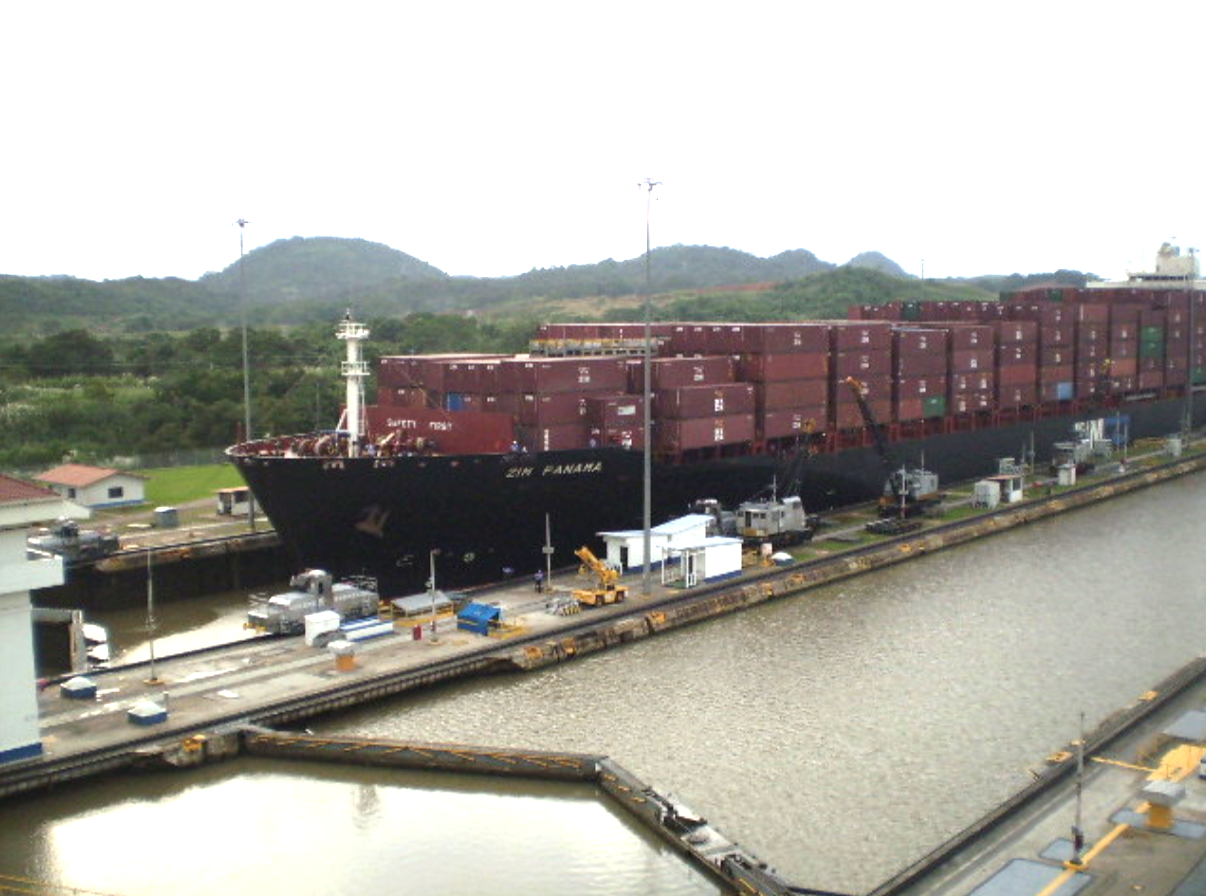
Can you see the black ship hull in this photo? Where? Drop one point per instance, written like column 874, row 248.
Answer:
column 481, row 517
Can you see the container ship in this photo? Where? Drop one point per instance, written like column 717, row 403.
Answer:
column 479, row 465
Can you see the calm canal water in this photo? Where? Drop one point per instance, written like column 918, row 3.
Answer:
column 837, row 735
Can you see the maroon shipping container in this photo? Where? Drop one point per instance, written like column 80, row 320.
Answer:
column 861, row 364
column 791, row 394
column 781, row 424
column 547, row 375
column 1015, row 353
column 785, row 338
column 1053, row 335
column 966, row 337
column 705, row 401
column 1055, row 355
column 1124, row 331
column 854, row 336
column 1061, row 374
column 558, row 437
column 968, row 361
column 980, row 381
column 675, row 373
column 1087, row 334
column 1092, row 351
column 1149, row 364
column 402, row 396
column 1124, row 349
column 1121, row 367
column 969, row 402
column 764, row 368
column 1124, row 385
column 704, row 432
column 920, row 364
column 408, row 370
column 907, row 341
column 622, row 436
column 615, row 412
column 1125, row 315
column 551, row 408
column 920, row 387
column 1016, row 395
column 1151, row 379
column 448, row 431
column 1017, row 375
column 1015, row 332
column 847, row 415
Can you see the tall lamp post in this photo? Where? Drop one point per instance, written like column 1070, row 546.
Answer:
column 246, row 367
column 647, row 490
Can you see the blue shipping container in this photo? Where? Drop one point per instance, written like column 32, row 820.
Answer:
column 1063, row 391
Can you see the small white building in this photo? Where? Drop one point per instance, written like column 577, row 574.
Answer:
column 95, row 487
column 681, row 543
column 22, row 505
column 626, row 549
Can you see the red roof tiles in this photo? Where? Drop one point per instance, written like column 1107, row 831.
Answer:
column 18, row 491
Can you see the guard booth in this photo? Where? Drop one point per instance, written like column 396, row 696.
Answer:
column 234, row 501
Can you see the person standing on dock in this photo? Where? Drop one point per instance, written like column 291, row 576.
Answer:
column 539, row 580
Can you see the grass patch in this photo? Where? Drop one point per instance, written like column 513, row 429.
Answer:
column 172, row 486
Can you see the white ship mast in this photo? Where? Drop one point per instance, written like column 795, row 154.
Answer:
column 355, row 371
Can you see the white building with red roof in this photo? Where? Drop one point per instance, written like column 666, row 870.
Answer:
column 22, row 504
column 95, row 487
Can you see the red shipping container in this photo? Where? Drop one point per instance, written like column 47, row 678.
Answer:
column 921, row 364
column 558, row 437
column 1124, row 349
column 1055, row 356
column 1017, row 353
column 402, row 396
column 1087, row 334
column 785, row 338
column 1125, row 331
column 1017, row 375
column 1062, row 374
column 780, row 424
column 764, row 368
column 615, row 412
column 1016, row 396
column 789, row 394
column 967, row 361
column 551, row 408
column 1015, row 332
column 971, row 337
column 1091, row 351
column 1124, row 367
column 920, row 387
column 548, row 375
column 912, row 341
column 1052, row 335
column 703, row 432
column 618, row 436
column 1124, row 385
column 675, row 373
column 705, row 401
column 1125, row 315
column 861, row 364
column 980, row 381
column 448, row 431
column 1151, row 379
column 854, row 336
column 970, row 402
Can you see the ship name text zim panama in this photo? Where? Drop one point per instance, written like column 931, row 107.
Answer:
column 463, row 456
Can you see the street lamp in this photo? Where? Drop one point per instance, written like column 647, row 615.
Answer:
column 647, row 491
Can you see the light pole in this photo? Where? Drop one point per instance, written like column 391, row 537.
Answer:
column 246, row 367
column 154, row 679
column 431, row 590
column 647, row 490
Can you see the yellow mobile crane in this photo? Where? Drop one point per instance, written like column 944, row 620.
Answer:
column 607, row 591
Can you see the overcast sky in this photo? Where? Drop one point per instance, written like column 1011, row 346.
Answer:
column 490, row 138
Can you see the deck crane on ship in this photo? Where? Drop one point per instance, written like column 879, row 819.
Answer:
column 907, row 492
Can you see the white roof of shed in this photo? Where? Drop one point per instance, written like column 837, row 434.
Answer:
column 670, row 527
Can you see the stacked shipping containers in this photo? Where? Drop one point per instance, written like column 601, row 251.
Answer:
column 919, row 373
column 861, row 350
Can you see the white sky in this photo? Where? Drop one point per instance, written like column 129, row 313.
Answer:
column 490, row 138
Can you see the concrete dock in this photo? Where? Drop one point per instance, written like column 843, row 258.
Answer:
column 208, row 695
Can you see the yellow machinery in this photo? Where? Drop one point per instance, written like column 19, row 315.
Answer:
column 607, row 591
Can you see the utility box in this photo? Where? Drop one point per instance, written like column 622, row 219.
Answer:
column 319, row 624
column 986, row 493
column 166, row 518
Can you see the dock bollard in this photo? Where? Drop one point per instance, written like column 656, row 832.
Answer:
column 345, row 655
